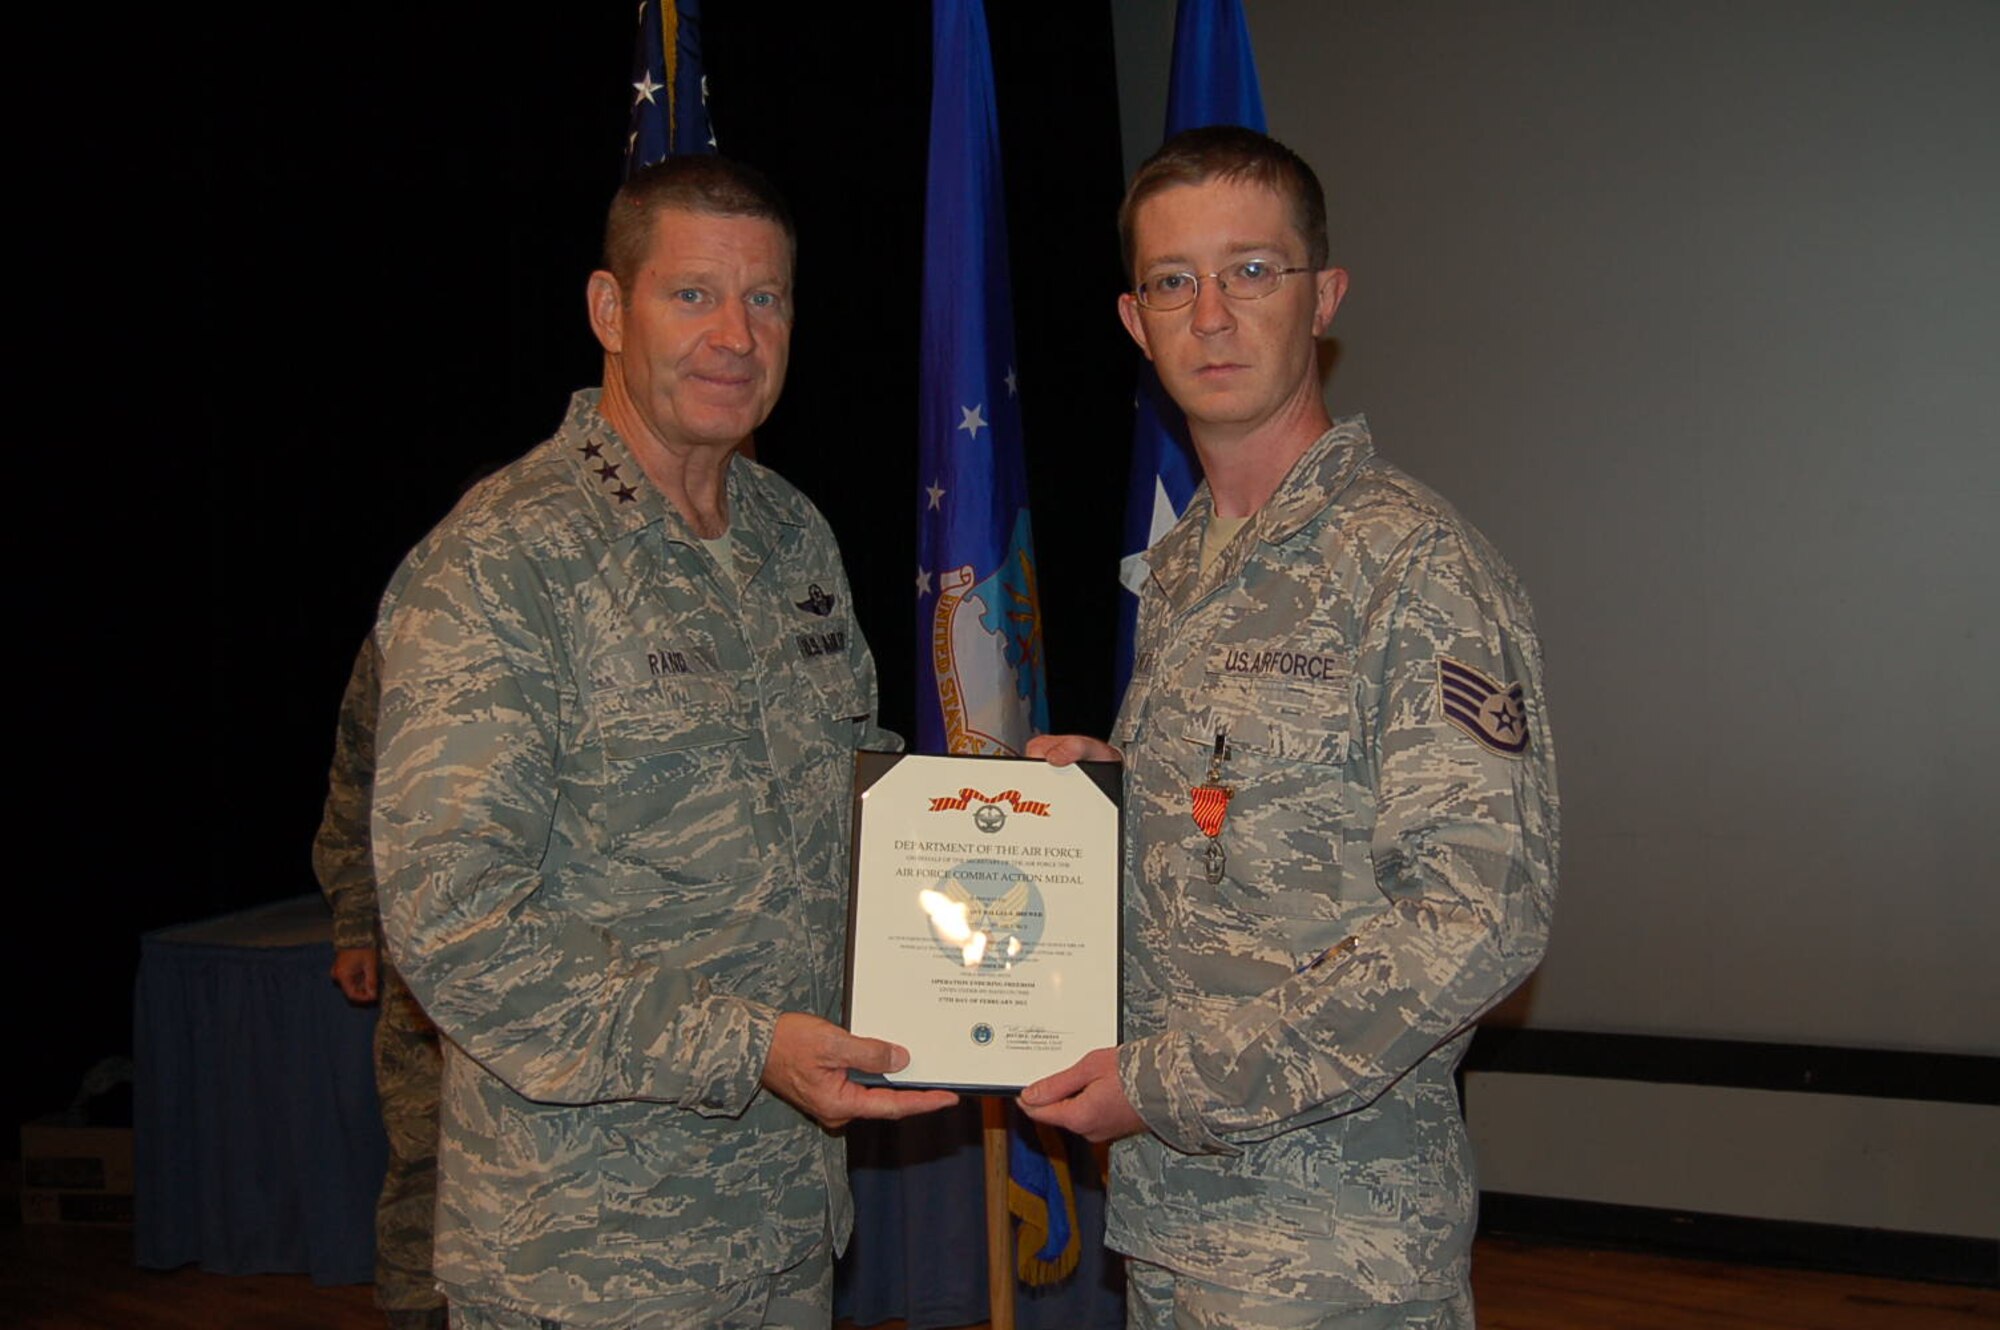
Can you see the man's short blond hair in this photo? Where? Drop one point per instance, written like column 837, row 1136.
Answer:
column 1229, row 152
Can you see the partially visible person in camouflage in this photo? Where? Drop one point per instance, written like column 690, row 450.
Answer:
column 622, row 689
column 1341, row 807
column 407, row 1061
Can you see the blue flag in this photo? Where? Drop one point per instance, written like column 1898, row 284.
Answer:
column 669, row 85
column 1214, row 83
column 979, row 622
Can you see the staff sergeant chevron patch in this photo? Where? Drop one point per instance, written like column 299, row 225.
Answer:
column 1486, row 709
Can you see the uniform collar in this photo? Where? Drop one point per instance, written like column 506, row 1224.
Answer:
column 627, row 502
column 605, row 469
column 1314, row 482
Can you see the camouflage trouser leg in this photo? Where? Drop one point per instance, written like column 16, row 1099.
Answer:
column 1159, row 1299
column 407, row 1070
column 800, row 1298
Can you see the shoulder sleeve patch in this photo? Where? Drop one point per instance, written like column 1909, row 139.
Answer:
column 1486, row 709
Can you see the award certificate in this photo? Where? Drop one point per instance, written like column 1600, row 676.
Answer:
column 983, row 926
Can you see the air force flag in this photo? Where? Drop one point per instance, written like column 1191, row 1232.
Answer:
column 979, row 667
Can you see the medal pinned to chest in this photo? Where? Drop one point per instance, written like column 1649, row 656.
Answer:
column 1209, row 805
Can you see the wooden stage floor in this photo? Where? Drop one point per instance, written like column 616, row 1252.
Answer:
column 54, row 1278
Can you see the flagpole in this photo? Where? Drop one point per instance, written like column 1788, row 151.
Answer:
column 999, row 1241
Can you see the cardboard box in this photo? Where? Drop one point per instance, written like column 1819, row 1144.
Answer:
column 75, row 1175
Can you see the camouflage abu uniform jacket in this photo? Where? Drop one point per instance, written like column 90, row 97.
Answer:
column 611, row 830
column 340, row 849
column 1388, row 873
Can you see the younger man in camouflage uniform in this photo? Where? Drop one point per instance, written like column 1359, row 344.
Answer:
column 406, row 1043
column 1341, row 806
column 622, row 688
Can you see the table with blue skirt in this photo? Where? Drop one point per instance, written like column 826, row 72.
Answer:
column 258, row 1142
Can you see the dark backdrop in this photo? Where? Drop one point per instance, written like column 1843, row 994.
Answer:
column 295, row 276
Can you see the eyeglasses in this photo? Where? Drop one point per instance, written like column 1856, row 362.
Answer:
column 1252, row 279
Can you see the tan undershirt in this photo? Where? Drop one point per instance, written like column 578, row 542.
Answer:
column 723, row 550
column 1215, row 536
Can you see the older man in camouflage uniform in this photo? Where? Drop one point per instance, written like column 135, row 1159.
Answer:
column 622, row 689
column 1341, row 806
column 407, row 1060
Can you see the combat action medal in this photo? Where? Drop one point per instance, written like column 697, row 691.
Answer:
column 1210, row 806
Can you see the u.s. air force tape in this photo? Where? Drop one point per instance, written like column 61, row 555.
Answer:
column 1483, row 707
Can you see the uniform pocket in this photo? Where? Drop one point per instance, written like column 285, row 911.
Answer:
column 1278, row 722
column 676, row 778
column 661, row 718
column 837, row 694
column 1291, row 811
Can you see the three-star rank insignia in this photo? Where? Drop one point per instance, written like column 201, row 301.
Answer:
column 817, row 601
column 1486, row 709
column 607, row 471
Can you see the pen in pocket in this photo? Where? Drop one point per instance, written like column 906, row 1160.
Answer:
column 1340, row 948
